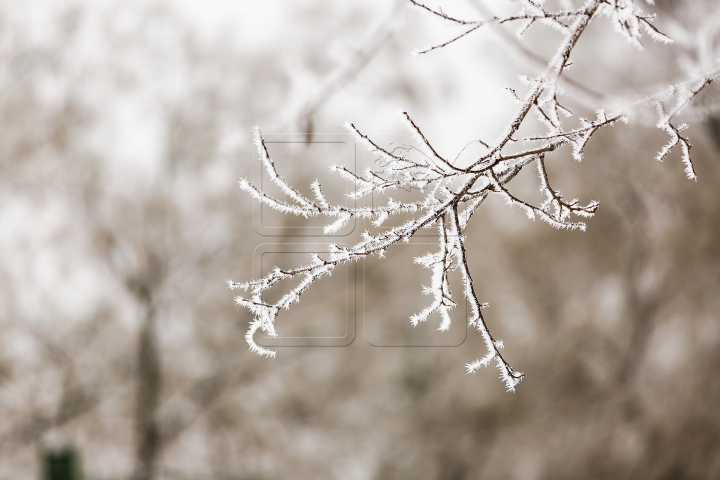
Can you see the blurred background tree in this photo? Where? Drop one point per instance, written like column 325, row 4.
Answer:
column 125, row 128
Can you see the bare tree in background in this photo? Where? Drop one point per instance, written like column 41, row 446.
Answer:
column 119, row 341
column 131, row 239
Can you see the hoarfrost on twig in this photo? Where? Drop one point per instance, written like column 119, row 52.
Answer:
column 452, row 194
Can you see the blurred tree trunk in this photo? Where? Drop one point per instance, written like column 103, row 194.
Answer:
column 149, row 377
column 148, row 394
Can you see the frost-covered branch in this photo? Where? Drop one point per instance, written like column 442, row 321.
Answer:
column 448, row 195
column 577, row 90
column 630, row 21
column 681, row 94
column 526, row 17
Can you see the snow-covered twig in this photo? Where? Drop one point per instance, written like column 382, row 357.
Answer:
column 451, row 194
column 682, row 94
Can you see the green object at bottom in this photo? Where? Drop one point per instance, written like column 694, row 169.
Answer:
column 63, row 464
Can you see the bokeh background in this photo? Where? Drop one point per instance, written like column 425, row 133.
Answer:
column 125, row 126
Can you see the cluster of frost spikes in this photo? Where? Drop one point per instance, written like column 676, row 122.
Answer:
column 449, row 194
column 682, row 94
